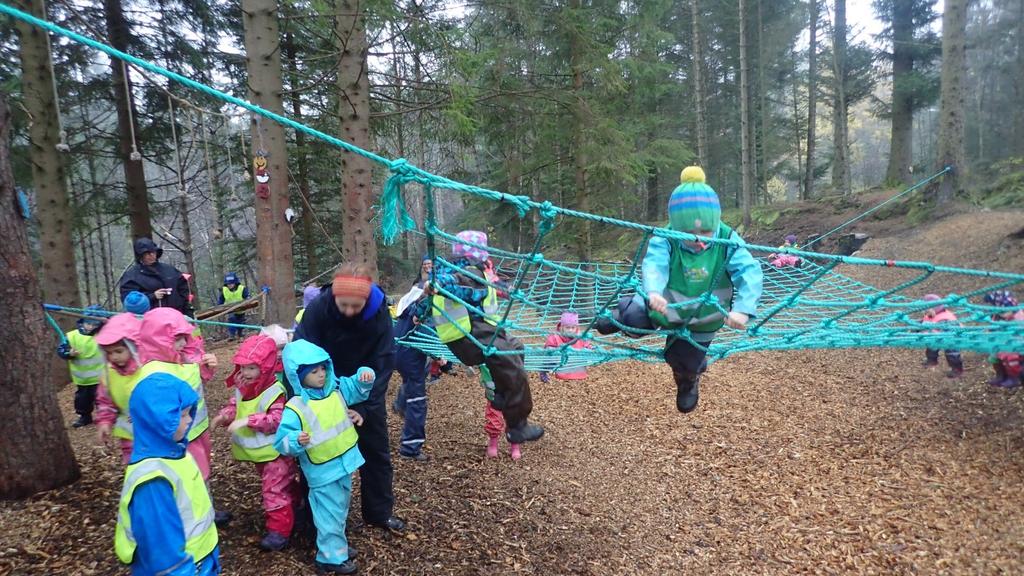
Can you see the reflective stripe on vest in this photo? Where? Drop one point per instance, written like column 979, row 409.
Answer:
column 230, row 297
column 457, row 323
column 330, row 430
column 247, row 444
column 88, row 365
column 189, row 373
column 120, row 388
column 190, row 497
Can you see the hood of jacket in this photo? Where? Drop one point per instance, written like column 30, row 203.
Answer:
column 143, row 245
column 308, row 294
column 159, row 329
column 155, row 409
column 260, row 350
column 301, row 353
column 124, row 327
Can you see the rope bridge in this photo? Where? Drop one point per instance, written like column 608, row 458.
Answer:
column 816, row 305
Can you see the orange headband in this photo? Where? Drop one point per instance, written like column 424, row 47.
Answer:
column 355, row 286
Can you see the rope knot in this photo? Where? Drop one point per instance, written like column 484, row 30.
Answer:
column 399, row 166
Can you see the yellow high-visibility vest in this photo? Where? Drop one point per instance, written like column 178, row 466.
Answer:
column 326, row 421
column 247, row 444
column 87, row 366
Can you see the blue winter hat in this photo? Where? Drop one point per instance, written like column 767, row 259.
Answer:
column 231, row 278
column 305, row 369
column 136, row 302
column 694, row 205
column 92, row 321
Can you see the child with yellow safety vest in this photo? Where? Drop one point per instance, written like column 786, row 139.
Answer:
column 165, row 519
column 118, row 339
column 252, row 417
column 85, row 362
column 679, row 274
column 465, row 305
column 318, row 428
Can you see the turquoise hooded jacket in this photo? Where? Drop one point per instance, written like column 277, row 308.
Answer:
column 301, row 353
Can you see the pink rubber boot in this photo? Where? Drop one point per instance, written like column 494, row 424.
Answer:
column 516, row 454
column 492, row 448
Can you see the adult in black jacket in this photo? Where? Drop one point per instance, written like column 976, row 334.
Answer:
column 162, row 283
column 350, row 320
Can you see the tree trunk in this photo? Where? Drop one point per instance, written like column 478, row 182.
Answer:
column 308, row 237
column 796, row 138
column 698, row 85
column 761, row 166
column 29, row 409
column 183, row 209
column 59, row 275
column 901, row 142
column 580, row 123
column 841, row 147
column 745, row 199
column 358, row 244
column 273, row 234
column 951, row 113
column 812, row 101
column 134, row 175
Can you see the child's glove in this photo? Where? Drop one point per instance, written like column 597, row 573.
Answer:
column 65, row 351
column 544, row 377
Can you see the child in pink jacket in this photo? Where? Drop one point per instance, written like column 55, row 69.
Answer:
column 567, row 330
column 252, row 417
column 494, row 421
column 937, row 315
column 117, row 339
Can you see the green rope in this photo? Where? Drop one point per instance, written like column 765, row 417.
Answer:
column 814, row 306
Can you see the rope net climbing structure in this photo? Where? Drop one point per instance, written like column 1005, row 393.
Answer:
column 820, row 304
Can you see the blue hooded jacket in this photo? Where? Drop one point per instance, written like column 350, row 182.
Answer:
column 301, row 353
column 155, row 409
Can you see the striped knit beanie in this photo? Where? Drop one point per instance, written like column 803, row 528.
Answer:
column 693, row 204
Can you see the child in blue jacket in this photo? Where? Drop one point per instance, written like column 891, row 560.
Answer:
column 165, row 521
column 679, row 271
column 318, row 429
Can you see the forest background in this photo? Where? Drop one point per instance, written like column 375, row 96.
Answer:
column 593, row 105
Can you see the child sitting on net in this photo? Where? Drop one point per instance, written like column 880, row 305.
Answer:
column 937, row 315
column 681, row 272
column 567, row 332
column 318, row 428
column 1007, row 365
column 252, row 416
column 784, row 260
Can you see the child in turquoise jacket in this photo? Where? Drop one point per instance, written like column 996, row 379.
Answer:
column 677, row 271
column 317, row 428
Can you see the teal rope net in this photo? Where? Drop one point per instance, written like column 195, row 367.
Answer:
column 820, row 304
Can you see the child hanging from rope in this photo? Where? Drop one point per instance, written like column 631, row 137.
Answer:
column 85, row 363
column 118, row 339
column 252, row 417
column 567, row 330
column 680, row 271
column 453, row 321
column 494, row 422
column 318, row 428
column 937, row 315
column 1007, row 365
column 165, row 520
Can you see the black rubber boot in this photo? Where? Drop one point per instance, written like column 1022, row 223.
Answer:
column 525, row 432
column 687, row 392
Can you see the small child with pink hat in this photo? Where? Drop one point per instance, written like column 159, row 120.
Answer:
column 566, row 333
column 937, row 315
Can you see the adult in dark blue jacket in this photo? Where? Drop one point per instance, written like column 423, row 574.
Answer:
column 161, row 283
column 350, row 320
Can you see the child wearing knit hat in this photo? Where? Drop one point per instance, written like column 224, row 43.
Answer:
column 936, row 315
column 677, row 273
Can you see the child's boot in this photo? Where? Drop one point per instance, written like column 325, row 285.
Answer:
column 347, row 567
column 524, row 432
column 516, row 452
column 956, row 365
column 274, row 542
column 687, row 391
column 1001, row 376
column 492, row 447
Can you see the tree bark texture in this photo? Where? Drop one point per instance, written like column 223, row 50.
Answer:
column 580, row 126
column 358, row 243
column 901, row 139
column 36, row 454
column 951, row 113
column 273, row 233
column 840, row 141
column 698, row 85
column 812, row 100
column 58, row 276
column 745, row 160
column 118, row 32
column 308, row 235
